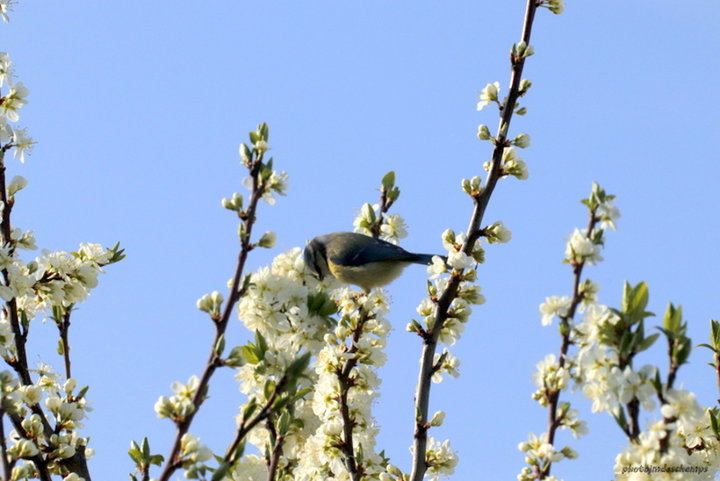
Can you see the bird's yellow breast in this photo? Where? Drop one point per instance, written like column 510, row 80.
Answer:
column 370, row 275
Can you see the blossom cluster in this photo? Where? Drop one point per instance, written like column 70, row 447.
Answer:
column 13, row 97
column 556, row 374
column 346, row 386
column 46, row 408
column 462, row 266
column 284, row 308
column 682, row 432
column 52, row 436
column 392, row 226
column 603, row 367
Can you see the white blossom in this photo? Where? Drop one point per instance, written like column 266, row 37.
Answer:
column 554, row 306
column 13, row 101
column 580, row 249
column 489, row 94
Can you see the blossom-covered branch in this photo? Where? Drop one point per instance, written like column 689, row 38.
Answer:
column 263, row 182
column 608, row 342
column 44, row 408
column 465, row 250
column 554, row 374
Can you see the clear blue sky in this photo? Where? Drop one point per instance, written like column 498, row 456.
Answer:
column 138, row 108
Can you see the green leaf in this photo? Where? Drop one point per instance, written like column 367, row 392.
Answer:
column 249, row 409
column 683, row 353
column 220, row 346
column 236, row 357
column 264, row 130
column 298, row 366
column 221, row 471
column 81, row 394
column 146, row 448
column 319, row 303
column 281, row 402
column 635, row 300
column 393, row 194
column 268, row 388
column 301, row 393
column 372, row 218
column 637, row 338
column 657, row 382
column 261, row 343
column 284, row 423
column 250, row 353
column 715, row 421
column 715, row 330
column 388, row 181
column 245, row 153
column 136, row 456
column 626, row 343
column 647, row 342
column 118, row 254
column 620, row 419
column 672, row 320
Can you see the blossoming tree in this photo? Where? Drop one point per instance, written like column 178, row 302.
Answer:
column 310, row 373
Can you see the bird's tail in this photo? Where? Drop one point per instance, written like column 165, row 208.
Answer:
column 426, row 259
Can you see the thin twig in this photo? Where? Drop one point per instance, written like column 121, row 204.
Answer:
column 64, row 328
column 173, row 460
column 346, row 383
column 245, row 428
column 422, row 395
column 554, row 395
column 273, row 457
column 19, row 364
column 385, row 204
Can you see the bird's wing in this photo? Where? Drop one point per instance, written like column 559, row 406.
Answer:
column 372, row 250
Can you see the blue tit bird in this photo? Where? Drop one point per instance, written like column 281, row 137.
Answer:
column 359, row 259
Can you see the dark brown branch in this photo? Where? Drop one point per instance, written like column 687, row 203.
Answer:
column 554, row 395
column 273, row 457
column 422, row 395
column 245, row 428
column 64, row 328
column 19, row 364
column 173, row 460
column 346, row 383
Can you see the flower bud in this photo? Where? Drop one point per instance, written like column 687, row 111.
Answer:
column 23, row 449
column 267, row 240
column 522, row 141
column 484, row 133
column 437, row 418
column 497, row 233
column 16, row 184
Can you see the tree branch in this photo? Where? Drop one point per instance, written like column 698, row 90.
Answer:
column 273, row 457
column 64, row 328
column 554, row 395
column 422, row 394
column 244, row 429
column 173, row 460
column 346, row 383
